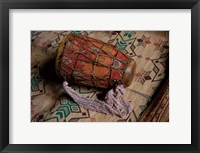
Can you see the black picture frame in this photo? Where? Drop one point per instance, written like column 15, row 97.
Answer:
column 5, row 5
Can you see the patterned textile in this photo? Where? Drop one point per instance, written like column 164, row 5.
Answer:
column 149, row 50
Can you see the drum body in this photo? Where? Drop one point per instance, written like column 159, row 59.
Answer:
column 90, row 62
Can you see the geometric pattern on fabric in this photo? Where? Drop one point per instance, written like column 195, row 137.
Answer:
column 150, row 51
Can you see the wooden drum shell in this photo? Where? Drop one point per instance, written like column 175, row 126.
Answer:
column 91, row 62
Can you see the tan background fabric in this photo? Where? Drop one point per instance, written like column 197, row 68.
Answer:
column 150, row 50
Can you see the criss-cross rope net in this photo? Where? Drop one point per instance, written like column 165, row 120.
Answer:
column 87, row 61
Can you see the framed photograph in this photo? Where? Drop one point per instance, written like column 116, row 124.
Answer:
column 99, row 76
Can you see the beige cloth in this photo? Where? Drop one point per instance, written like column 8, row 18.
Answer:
column 149, row 50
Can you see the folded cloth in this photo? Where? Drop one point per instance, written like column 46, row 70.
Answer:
column 113, row 104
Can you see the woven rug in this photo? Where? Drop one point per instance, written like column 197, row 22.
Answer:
column 150, row 50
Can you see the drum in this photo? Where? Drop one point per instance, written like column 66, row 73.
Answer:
column 91, row 62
